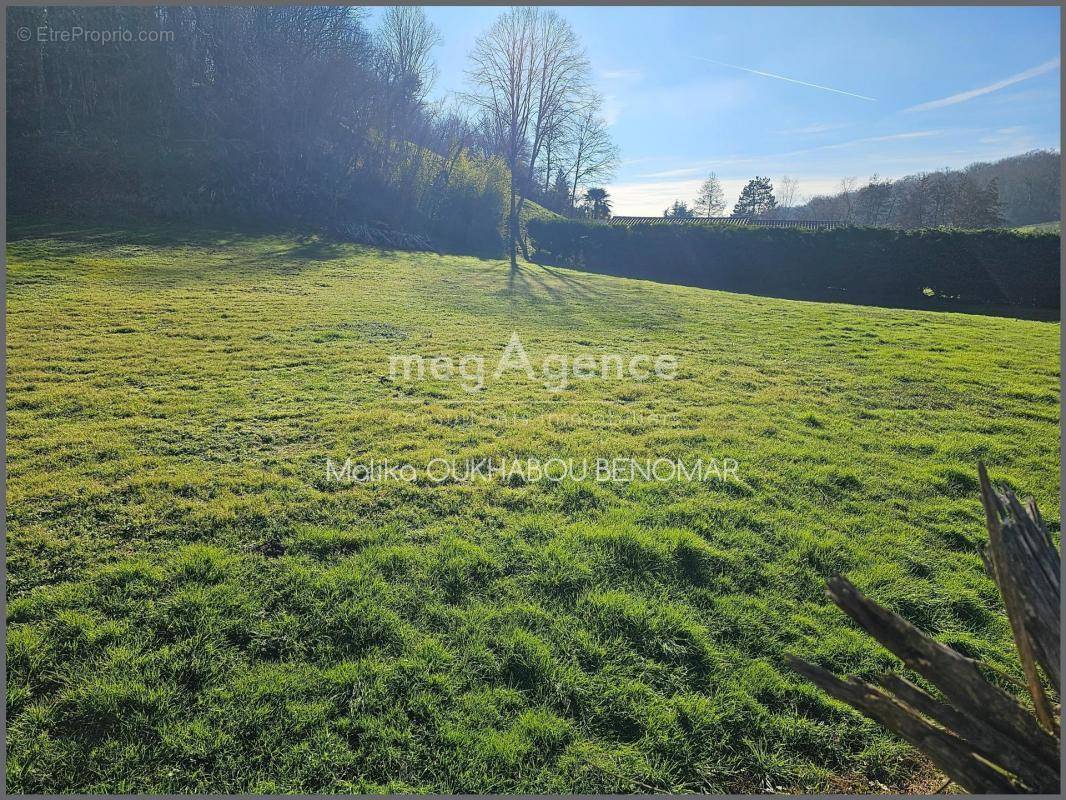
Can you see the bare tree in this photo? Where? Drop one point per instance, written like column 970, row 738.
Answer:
column 710, row 202
column 914, row 205
column 787, row 189
column 503, row 72
column 1012, row 191
column 405, row 41
column 594, row 156
column 847, row 190
column 528, row 70
column 874, row 202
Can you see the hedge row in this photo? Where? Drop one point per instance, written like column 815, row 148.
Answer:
column 923, row 268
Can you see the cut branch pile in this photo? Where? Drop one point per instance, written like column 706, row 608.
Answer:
column 981, row 736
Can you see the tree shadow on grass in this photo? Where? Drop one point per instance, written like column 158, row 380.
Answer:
column 91, row 235
column 536, row 283
column 73, row 237
column 225, row 253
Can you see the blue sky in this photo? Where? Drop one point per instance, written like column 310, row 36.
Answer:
column 902, row 90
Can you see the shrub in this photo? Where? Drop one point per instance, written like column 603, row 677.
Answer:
column 935, row 267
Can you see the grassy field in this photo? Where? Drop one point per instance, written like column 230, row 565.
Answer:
column 1042, row 227
column 193, row 606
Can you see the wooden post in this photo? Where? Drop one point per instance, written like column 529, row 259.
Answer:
column 979, row 735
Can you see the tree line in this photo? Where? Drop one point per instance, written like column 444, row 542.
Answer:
column 1019, row 190
column 756, row 200
column 302, row 116
column 1014, row 191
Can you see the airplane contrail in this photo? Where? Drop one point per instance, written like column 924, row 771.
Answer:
column 783, row 78
column 962, row 97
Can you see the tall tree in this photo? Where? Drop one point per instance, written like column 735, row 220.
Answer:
column 756, row 199
column 592, row 153
column 874, row 203
column 405, row 42
column 527, row 71
column 560, row 193
column 914, row 206
column 976, row 206
column 787, row 189
column 847, row 199
column 710, row 202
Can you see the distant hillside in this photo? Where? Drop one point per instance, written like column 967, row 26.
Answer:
column 1012, row 192
column 1029, row 185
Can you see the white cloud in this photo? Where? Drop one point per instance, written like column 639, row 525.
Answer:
column 612, row 109
column 672, row 173
column 766, row 161
column 817, row 127
column 962, row 97
column 1015, row 138
column 621, row 74
column 892, row 137
column 650, row 199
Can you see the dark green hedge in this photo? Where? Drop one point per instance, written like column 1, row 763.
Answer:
column 924, row 268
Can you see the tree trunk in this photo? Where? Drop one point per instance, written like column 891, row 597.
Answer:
column 512, row 229
column 518, row 228
column 548, row 168
column 577, row 175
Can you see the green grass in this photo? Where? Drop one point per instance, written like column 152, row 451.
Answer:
column 531, row 210
column 1042, row 227
column 173, row 396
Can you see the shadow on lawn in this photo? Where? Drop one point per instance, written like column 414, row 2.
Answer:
column 74, row 237
column 529, row 282
column 831, row 295
column 92, row 235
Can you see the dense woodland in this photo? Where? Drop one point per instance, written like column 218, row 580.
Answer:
column 1020, row 190
column 301, row 116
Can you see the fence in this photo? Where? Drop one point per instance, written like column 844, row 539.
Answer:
column 811, row 225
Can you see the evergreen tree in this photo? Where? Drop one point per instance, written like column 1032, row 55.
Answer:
column 560, row 194
column 711, row 199
column 756, row 199
column 679, row 210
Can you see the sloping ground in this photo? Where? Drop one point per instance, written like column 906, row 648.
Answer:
column 1042, row 227
column 531, row 210
column 194, row 606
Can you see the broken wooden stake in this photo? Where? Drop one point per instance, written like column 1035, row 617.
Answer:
column 980, row 736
